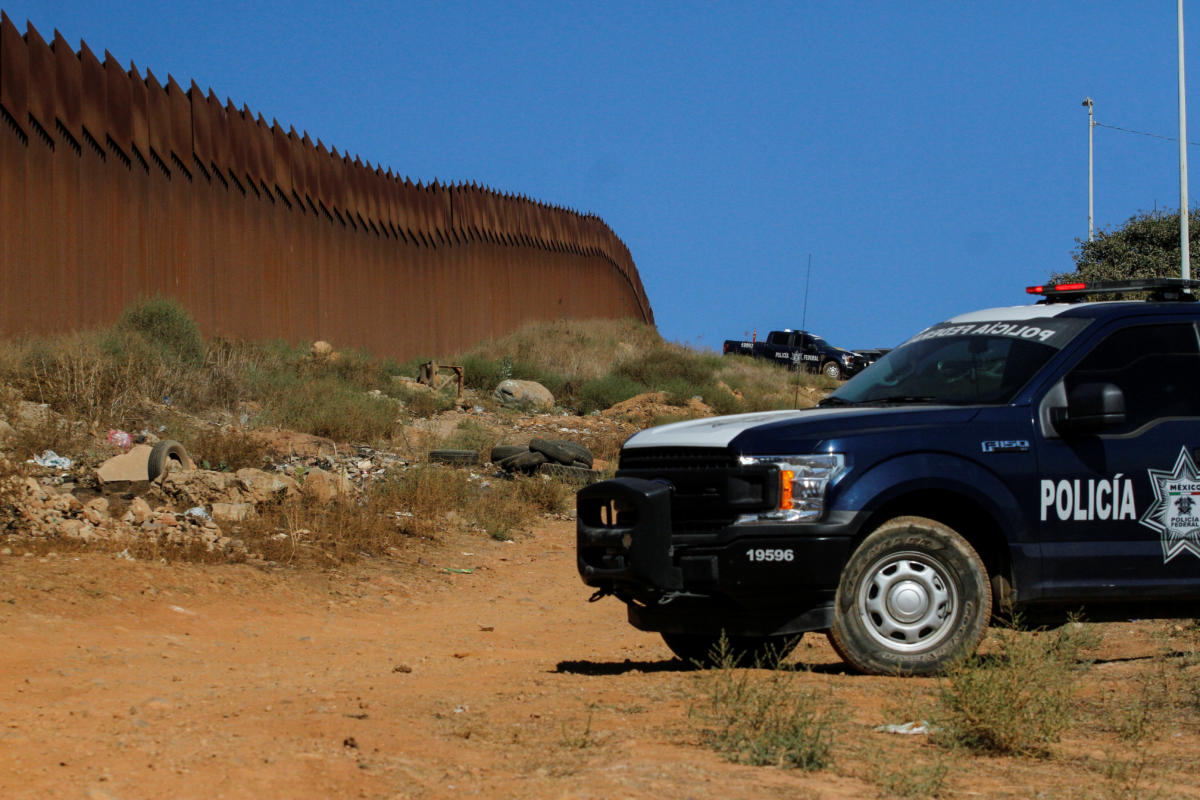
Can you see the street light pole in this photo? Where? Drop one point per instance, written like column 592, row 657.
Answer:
column 1087, row 101
column 1184, row 246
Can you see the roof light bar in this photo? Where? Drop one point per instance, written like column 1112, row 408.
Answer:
column 1159, row 289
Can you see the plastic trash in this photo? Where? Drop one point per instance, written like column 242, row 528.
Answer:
column 53, row 460
column 198, row 512
column 914, row 728
column 119, row 438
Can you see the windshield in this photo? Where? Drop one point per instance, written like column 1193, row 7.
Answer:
column 960, row 364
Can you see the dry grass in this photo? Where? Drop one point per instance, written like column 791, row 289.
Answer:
column 1020, row 697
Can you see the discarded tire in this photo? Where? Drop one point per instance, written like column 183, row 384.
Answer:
column 168, row 454
column 503, row 451
column 573, row 474
column 454, row 456
column 562, row 450
column 526, row 461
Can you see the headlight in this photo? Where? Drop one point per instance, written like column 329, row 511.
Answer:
column 803, row 483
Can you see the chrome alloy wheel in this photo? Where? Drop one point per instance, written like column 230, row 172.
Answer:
column 908, row 601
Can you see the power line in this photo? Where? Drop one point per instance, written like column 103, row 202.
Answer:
column 1142, row 133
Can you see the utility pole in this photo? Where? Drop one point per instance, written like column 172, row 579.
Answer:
column 1184, row 210
column 1087, row 101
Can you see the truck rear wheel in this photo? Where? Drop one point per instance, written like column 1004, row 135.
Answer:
column 913, row 599
column 703, row 649
column 832, row 369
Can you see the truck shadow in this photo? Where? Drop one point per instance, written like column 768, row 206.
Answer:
column 600, row 668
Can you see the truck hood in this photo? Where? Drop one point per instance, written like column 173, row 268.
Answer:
column 769, row 431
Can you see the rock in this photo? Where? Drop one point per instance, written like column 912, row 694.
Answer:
column 263, row 487
column 96, row 510
column 321, row 350
column 324, row 486
column 201, row 487
column 131, row 466
column 231, row 512
column 6, row 433
column 526, row 395
column 138, row 512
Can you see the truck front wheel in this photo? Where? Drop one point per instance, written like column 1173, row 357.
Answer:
column 704, row 649
column 913, row 599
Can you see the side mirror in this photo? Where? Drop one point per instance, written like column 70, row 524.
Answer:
column 1091, row 407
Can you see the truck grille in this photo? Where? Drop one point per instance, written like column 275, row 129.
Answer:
column 710, row 489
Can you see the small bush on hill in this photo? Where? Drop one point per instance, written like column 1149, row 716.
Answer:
column 165, row 325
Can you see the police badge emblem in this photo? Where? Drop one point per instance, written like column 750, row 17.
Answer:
column 1175, row 512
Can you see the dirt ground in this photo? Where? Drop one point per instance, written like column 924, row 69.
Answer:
column 466, row 667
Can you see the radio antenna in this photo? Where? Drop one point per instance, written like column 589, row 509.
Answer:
column 807, row 278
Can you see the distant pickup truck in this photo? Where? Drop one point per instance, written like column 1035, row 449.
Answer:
column 801, row 349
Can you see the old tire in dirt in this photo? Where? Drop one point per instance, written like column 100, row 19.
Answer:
column 464, row 457
column 913, row 599
column 503, row 451
column 573, row 473
column 168, row 454
column 525, row 461
column 561, row 450
column 831, row 369
column 703, row 649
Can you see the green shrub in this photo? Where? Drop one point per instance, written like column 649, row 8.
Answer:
column 664, row 365
column 766, row 717
column 328, row 407
column 165, row 324
column 605, row 392
column 1018, row 699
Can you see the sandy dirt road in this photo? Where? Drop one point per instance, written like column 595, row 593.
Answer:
column 122, row 679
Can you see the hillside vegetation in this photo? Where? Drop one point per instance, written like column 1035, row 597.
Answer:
column 239, row 405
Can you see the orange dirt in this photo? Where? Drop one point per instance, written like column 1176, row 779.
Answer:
column 397, row 678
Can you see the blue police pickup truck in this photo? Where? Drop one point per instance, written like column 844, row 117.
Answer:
column 1039, row 459
column 801, row 350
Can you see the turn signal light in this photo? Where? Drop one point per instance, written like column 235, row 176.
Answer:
column 786, row 476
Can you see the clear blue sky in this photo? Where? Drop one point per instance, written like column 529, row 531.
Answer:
column 931, row 157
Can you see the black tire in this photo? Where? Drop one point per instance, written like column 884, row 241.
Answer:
column 831, row 369
column 572, row 473
column 701, row 649
column 525, row 461
column 561, row 450
column 503, row 451
column 454, row 456
column 913, row 599
column 168, row 454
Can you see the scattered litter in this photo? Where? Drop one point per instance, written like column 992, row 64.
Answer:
column 914, row 728
column 125, row 555
column 52, row 459
column 461, row 709
column 458, row 570
column 198, row 512
column 182, row 610
column 119, row 438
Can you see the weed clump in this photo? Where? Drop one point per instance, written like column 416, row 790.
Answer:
column 1018, row 699
column 765, row 718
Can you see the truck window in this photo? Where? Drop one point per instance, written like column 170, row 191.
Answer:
column 1157, row 367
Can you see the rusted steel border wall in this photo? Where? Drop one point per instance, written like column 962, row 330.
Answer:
column 114, row 187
